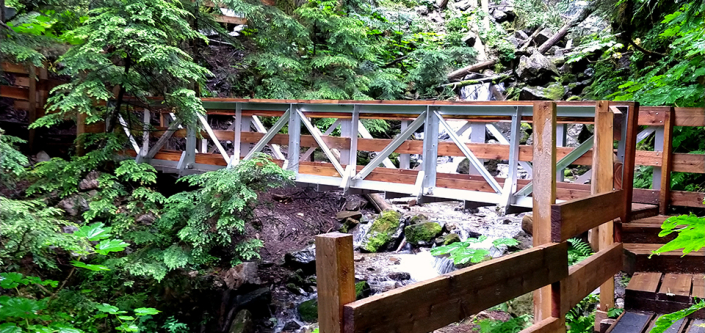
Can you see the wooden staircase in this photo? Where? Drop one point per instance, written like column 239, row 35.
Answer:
column 660, row 284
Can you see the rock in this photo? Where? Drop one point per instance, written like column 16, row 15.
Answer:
column 69, row 229
column 343, row 215
column 469, row 39
column 421, row 10
column 291, row 326
column 543, row 36
column 242, row 323
column 348, row 225
column 354, row 202
column 74, row 205
column 553, row 92
column 294, row 289
column 257, row 301
column 536, row 69
column 449, row 239
column 514, row 41
column 245, row 273
column 308, row 311
column 384, row 233
column 418, row 219
column 521, row 35
column 422, row 233
column 42, row 156
column 399, row 276
column 146, row 219
column 527, row 224
column 499, row 16
column 358, row 258
column 90, row 182
column 464, row 5
column 304, row 258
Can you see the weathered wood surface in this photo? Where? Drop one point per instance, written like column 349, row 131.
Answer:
column 630, row 159
column 646, row 230
column 643, row 285
column 631, row 322
column 571, row 218
column 434, row 303
column 548, row 325
column 544, row 180
column 586, row 276
column 335, row 275
column 637, row 260
column 665, row 189
column 675, row 287
column 698, row 286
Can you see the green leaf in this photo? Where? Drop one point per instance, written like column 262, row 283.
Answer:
column 93, row 232
column 146, row 311
column 11, row 280
column 113, row 245
column 505, row 241
column 107, row 308
column 126, row 318
column 91, row 267
column 9, row 328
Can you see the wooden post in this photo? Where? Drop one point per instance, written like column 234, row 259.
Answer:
column 544, row 179
column 32, row 103
column 630, row 159
column 603, row 181
column 666, row 162
column 335, row 273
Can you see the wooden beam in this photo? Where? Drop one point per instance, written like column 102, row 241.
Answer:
column 435, row 303
column 548, row 325
column 13, row 68
column 630, row 159
column 14, row 93
column 544, row 180
column 666, row 164
column 335, row 274
column 229, row 19
column 589, row 274
column 571, row 218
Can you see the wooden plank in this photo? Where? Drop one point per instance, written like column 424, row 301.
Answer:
column 693, row 163
column 643, row 285
column 665, row 193
column 675, row 287
column 572, row 218
column 637, row 260
column 687, row 199
column 631, row 322
column 652, row 115
column 644, row 232
column 698, row 286
column 690, row 117
column 14, row 93
column 548, row 325
column 335, row 274
column 229, row 19
column 544, row 180
column 434, row 303
column 586, row 276
column 13, row 68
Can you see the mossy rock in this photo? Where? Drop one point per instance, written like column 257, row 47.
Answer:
column 382, row 231
column 450, row 239
column 422, row 233
column 308, row 311
column 416, row 219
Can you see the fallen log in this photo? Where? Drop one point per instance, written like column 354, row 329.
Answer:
column 564, row 30
column 469, row 69
column 531, row 39
column 475, row 81
column 378, row 202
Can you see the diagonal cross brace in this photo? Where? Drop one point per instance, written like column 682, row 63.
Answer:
column 498, row 135
column 322, row 144
column 471, row 157
column 269, row 135
column 391, row 147
column 209, row 130
column 330, row 130
column 563, row 163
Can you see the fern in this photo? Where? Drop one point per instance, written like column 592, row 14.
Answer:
column 578, row 251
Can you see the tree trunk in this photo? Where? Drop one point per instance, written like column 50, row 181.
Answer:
column 486, row 10
column 476, row 81
column 564, row 30
column 378, row 202
column 531, row 39
column 469, row 69
column 442, row 4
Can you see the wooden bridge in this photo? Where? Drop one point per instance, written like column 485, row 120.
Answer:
column 234, row 129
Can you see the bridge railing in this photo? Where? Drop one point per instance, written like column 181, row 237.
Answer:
column 428, row 305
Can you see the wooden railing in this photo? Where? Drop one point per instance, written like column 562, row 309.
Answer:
column 428, row 305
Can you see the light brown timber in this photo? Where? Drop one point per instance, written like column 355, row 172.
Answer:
column 335, row 275
column 571, row 218
column 548, row 325
column 665, row 190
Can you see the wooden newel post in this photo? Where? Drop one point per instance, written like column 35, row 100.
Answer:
column 335, row 273
column 544, row 196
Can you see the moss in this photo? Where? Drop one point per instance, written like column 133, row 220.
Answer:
column 382, row 229
column 450, row 239
column 308, row 311
column 422, row 232
column 554, row 92
column 418, row 219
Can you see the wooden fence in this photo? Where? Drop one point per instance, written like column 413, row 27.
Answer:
column 428, row 305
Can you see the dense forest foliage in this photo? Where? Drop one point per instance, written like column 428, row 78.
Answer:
column 88, row 243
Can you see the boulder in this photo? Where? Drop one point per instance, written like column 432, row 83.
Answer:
column 448, row 239
column 42, row 156
column 421, row 10
column 527, row 224
column 348, row 225
column 543, row 36
column 422, row 233
column 74, row 205
column 242, row 323
column 465, row 5
column 399, row 276
column 521, row 35
column 256, row 301
column 537, row 69
column 384, row 234
column 469, row 39
column 245, row 273
column 553, row 92
column 420, row 218
column 90, row 182
column 304, row 258
column 291, row 326
column 514, row 41
column 308, row 311
column 146, row 219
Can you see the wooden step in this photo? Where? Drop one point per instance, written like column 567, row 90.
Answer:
column 646, row 230
column 636, row 259
column 664, row 293
column 640, row 211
